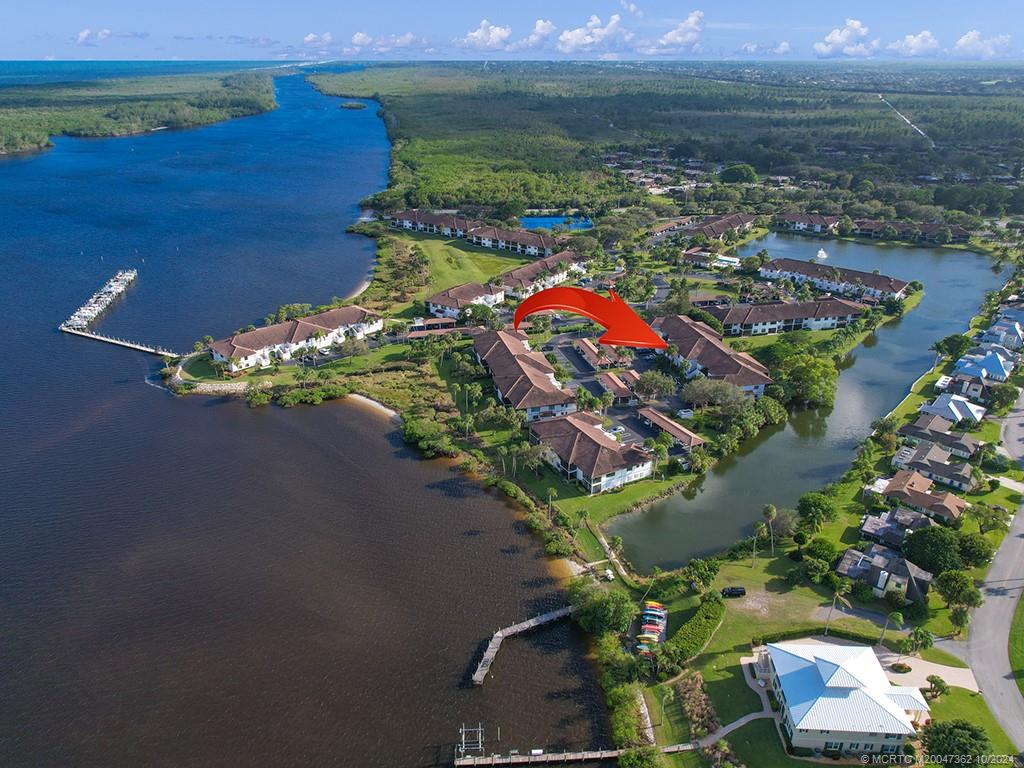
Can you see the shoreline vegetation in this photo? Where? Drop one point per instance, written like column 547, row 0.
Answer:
column 31, row 114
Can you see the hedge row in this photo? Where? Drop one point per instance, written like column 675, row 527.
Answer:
column 858, row 636
column 691, row 638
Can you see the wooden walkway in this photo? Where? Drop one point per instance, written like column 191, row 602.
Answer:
column 565, row 757
column 492, row 647
column 122, row 342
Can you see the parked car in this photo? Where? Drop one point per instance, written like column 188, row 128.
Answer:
column 734, row 591
column 618, row 430
column 548, row 348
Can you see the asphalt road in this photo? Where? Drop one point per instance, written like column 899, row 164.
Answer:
column 990, row 627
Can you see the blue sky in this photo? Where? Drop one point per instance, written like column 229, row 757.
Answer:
column 460, row 29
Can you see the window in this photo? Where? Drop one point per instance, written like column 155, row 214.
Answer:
column 833, row 746
column 853, row 746
column 893, row 736
column 889, row 749
column 869, row 748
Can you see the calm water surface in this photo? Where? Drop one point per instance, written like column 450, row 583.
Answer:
column 816, row 447
column 186, row 582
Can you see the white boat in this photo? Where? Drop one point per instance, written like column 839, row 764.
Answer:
column 822, row 254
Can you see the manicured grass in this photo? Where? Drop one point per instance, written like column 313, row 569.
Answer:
column 940, row 656
column 1017, row 645
column 771, row 605
column 674, row 729
column 960, row 703
column 200, row 369
column 923, row 390
column 451, row 262
column 987, row 431
column 758, row 744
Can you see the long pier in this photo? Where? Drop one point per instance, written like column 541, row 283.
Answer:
column 565, row 757
column 82, row 318
column 492, row 647
column 121, row 342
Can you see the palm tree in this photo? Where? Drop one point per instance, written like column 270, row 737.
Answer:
column 921, row 639
column 552, row 494
column 894, row 617
column 843, row 588
column 770, row 513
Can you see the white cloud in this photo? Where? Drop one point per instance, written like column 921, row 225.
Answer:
column 384, row 43
column 921, row 44
column 320, row 40
column 542, row 30
column 772, row 49
column 486, row 36
column 973, row 45
column 684, row 37
column 91, row 37
column 633, row 8
column 594, row 35
column 846, row 41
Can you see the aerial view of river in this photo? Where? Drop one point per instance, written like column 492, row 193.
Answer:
column 190, row 582
column 816, row 446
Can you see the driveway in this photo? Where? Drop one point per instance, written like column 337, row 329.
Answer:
column 921, row 669
column 987, row 641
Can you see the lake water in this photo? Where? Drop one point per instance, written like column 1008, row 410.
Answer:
column 816, row 447
column 188, row 582
column 550, row 222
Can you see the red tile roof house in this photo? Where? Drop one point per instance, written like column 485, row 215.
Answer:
column 829, row 278
column 519, row 241
column 598, row 356
column 578, row 447
column 806, row 222
column 522, row 378
column 780, row 317
column 280, row 341
column 435, row 223
column 453, row 301
column 716, row 227
column 680, row 435
column 609, row 382
column 911, row 489
column 544, row 273
column 701, row 351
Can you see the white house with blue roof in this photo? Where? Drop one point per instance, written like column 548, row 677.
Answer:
column 836, row 699
column 990, row 366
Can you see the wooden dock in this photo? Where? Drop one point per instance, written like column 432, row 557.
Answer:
column 121, row 342
column 492, row 647
column 564, row 757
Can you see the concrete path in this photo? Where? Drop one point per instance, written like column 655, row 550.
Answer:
column 921, row 669
column 1009, row 482
column 987, row 651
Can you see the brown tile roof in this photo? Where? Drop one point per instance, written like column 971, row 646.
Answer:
column 448, row 220
column 700, row 344
column 630, row 378
column 935, row 429
column 716, row 226
column 526, row 275
column 810, row 219
column 826, row 272
column 460, row 296
column 598, row 354
column 665, row 424
column 522, row 236
column 290, row 332
column 523, row 377
column 914, row 489
column 744, row 314
column 579, row 441
column 611, row 383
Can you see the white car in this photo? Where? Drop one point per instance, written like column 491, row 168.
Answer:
column 617, row 430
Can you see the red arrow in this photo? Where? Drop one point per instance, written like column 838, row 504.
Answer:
column 625, row 327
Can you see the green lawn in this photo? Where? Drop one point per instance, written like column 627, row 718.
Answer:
column 964, row 704
column 1017, row 645
column 674, row 729
column 940, row 656
column 758, row 744
column 199, row 368
column 923, row 390
column 771, row 605
column 453, row 262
